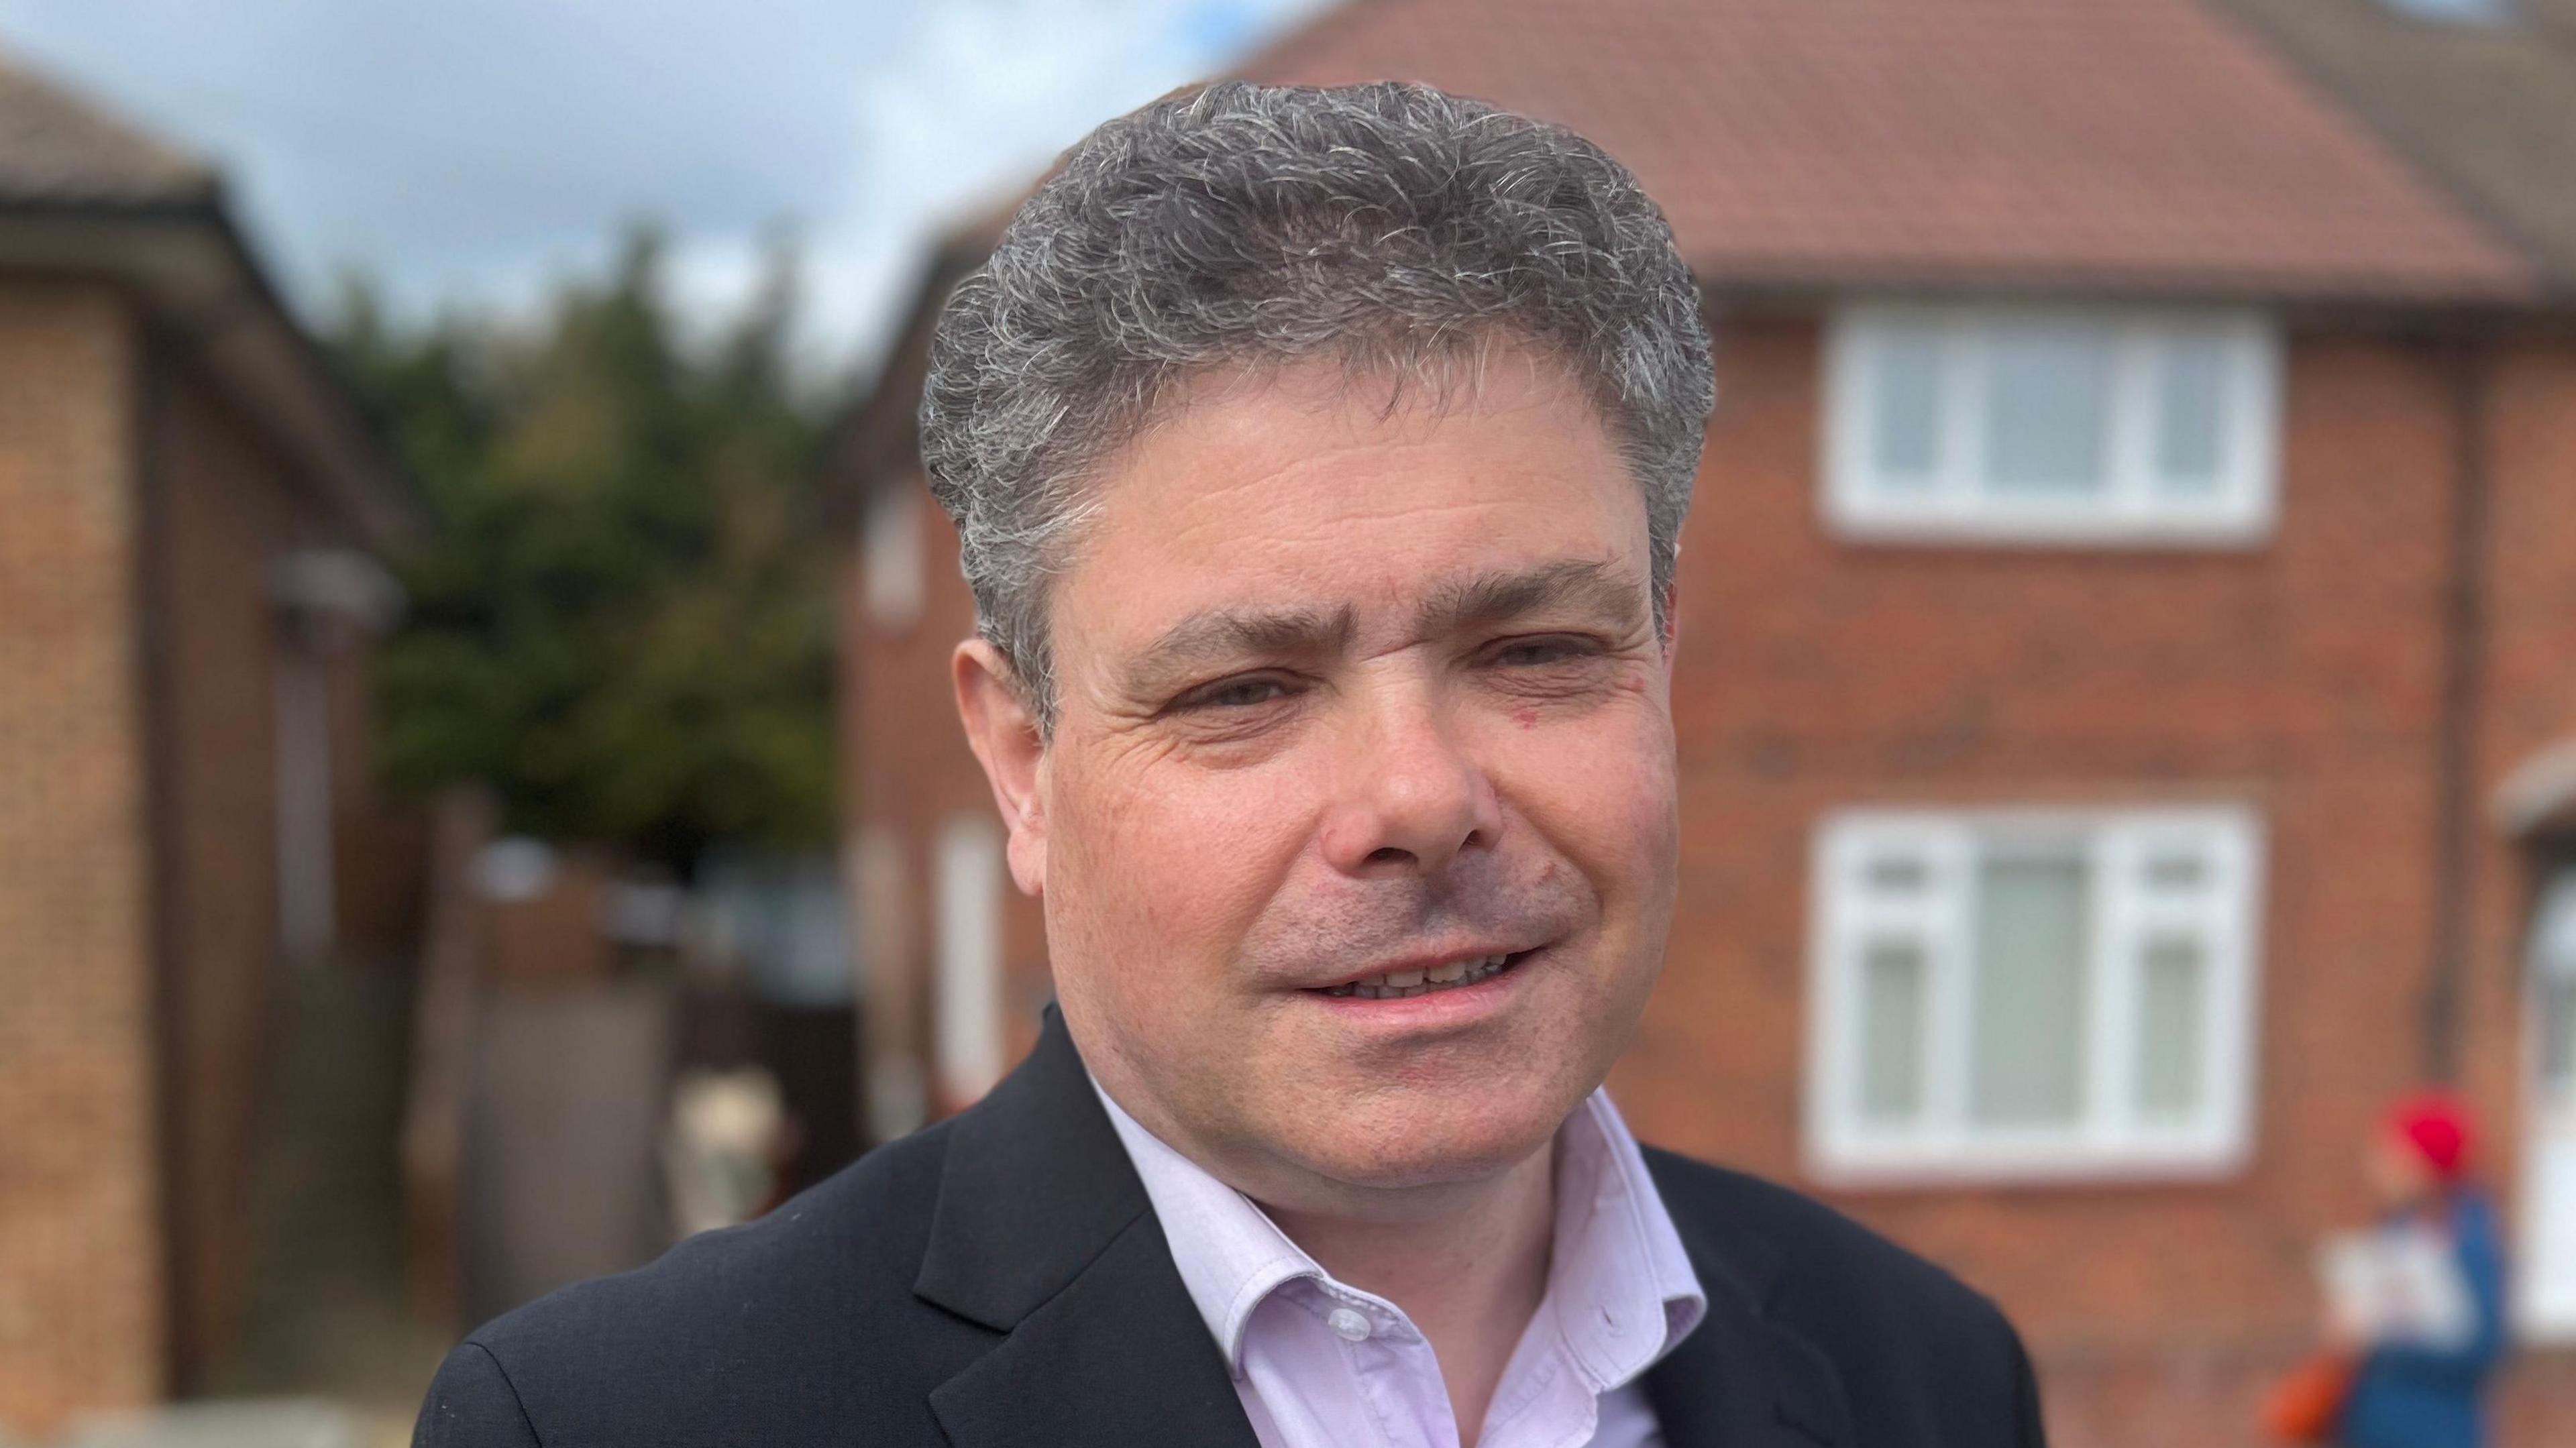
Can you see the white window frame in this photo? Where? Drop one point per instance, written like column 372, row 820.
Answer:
column 2110, row 1139
column 1954, row 504
column 891, row 546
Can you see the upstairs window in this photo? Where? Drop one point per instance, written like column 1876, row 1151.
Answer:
column 890, row 561
column 2032, row 993
column 2051, row 425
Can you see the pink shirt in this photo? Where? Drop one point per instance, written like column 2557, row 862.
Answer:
column 1320, row 1364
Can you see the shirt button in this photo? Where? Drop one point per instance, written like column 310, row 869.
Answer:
column 1347, row 1324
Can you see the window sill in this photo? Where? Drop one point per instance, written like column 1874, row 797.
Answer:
column 2044, row 529
column 1893, row 1168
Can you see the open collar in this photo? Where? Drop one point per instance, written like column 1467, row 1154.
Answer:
column 1043, row 1232
column 1230, row 1254
column 1617, row 1259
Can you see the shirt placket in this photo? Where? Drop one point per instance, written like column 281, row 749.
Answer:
column 1397, row 1373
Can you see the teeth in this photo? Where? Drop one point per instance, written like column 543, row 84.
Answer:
column 1405, row 984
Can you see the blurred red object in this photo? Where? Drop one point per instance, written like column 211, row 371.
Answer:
column 2303, row 1407
column 2438, row 1127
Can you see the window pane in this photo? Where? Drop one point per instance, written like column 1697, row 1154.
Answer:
column 1896, row 874
column 1905, row 389
column 892, row 567
column 2176, row 872
column 1891, row 1030
column 2171, row 982
column 2046, row 391
column 2558, row 1035
column 2028, row 1066
column 2191, row 414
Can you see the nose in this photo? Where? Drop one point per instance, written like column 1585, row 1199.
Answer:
column 1411, row 798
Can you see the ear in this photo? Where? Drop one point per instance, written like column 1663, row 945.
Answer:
column 1004, row 735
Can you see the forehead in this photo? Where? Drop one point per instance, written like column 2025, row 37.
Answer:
column 1305, row 486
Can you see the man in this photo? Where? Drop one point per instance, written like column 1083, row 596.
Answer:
column 1318, row 458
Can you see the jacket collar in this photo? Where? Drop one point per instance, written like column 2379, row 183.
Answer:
column 1043, row 1232
column 1745, row 1377
column 1035, row 1188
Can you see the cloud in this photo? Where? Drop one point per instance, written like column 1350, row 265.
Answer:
column 477, row 149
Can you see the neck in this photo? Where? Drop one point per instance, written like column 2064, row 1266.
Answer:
column 1470, row 1274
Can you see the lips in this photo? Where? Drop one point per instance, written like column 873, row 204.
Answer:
column 1413, row 981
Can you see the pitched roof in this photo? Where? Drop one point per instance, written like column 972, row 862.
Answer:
column 84, row 193
column 2489, row 108
column 2108, row 145
column 55, row 146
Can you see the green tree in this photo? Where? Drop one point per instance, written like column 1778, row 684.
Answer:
column 621, row 618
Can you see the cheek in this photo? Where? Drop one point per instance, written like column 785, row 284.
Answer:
column 1169, row 872
column 1606, row 801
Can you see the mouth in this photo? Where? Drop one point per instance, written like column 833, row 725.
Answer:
column 1414, row 981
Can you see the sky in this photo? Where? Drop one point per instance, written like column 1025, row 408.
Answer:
column 473, row 152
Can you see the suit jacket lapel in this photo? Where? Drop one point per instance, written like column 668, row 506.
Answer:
column 1044, row 1233
column 1119, row 1358
column 1744, row 1379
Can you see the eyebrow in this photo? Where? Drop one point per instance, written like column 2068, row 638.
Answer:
column 1214, row 635
column 1610, row 594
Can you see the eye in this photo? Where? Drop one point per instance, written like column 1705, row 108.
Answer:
column 1241, row 692
column 1540, row 651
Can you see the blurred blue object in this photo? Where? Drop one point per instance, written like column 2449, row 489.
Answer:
column 780, row 920
column 2410, row 1396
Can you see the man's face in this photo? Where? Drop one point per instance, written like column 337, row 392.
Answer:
column 1353, row 705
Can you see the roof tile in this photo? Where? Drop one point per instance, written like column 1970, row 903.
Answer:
column 55, row 146
column 2119, row 144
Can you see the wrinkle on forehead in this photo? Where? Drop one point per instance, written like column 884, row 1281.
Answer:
column 1226, row 482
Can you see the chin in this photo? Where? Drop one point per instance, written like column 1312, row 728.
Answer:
column 1399, row 1140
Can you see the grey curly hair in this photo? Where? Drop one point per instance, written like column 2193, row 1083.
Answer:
column 1392, row 226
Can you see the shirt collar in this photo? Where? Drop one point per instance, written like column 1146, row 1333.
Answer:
column 1620, row 1284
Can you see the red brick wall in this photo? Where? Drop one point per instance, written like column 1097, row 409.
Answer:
column 228, row 515
column 80, row 1239
column 2530, row 697
column 379, row 844
column 2299, row 677
column 2529, row 702
column 235, row 507
column 2302, row 677
column 912, row 772
column 92, row 1181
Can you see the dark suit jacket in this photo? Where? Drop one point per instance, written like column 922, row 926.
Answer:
column 1001, row 1279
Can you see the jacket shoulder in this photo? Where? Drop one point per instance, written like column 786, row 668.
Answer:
column 767, row 1324
column 1911, row 1343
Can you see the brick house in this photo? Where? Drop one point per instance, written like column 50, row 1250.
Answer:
column 2128, row 650
column 188, row 504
